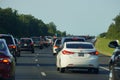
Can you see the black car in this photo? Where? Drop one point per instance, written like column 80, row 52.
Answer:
column 18, row 46
column 27, row 44
column 10, row 43
column 7, row 62
column 114, row 63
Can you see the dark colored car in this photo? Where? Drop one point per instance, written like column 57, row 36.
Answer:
column 7, row 62
column 69, row 39
column 10, row 43
column 27, row 44
column 114, row 63
column 38, row 42
column 18, row 46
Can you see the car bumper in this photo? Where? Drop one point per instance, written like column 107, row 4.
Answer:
column 80, row 63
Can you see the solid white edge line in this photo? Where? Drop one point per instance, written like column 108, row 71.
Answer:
column 43, row 74
column 104, row 68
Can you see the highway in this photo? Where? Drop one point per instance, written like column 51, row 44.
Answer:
column 41, row 66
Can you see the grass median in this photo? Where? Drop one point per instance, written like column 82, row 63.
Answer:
column 102, row 46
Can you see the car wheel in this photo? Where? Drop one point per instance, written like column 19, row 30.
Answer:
column 58, row 69
column 62, row 70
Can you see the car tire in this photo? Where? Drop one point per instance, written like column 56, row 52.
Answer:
column 58, row 69
column 62, row 70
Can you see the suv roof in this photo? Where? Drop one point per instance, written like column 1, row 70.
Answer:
column 26, row 40
column 9, row 38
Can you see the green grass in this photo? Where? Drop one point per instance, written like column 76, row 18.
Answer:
column 102, row 46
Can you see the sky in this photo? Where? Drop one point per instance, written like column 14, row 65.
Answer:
column 76, row 17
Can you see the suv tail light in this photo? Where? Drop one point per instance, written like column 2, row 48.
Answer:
column 94, row 53
column 31, row 43
column 65, row 52
column 5, row 59
column 12, row 46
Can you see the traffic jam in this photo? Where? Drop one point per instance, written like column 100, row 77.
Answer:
column 73, row 53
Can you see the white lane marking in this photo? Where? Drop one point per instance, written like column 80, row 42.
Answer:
column 36, row 60
column 43, row 74
column 104, row 68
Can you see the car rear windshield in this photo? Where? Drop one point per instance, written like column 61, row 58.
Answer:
column 81, row 46
column 25, row 41
column 8, row 39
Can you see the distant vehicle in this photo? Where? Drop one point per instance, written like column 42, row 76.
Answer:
column 10, row 43
column 26, row 44
column 49, row 39
column 114, row 62
column 38, row 42
column 69, row 39
column 45, row 42
column 7, row 62
column 56, row 45
column 77, row 55
column 18, row 46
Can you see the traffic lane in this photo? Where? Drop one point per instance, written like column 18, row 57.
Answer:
column 50, row 73
column 48, row 70
column 104, row 61
column 26, row 67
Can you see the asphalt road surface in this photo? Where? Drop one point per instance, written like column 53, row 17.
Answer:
column 41, row 66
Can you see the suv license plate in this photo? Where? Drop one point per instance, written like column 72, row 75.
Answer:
column 81, row 54
column 25, row 44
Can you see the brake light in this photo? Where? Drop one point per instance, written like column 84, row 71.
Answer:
column 67, row 52
column 94, row 53
column 4, row 59
column 12, row 46
column 55, row 46
column 31, row 43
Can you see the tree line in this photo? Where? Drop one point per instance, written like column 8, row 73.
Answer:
column 21, row 25
column 113, row 31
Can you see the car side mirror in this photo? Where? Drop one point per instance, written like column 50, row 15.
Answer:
column 113, row 44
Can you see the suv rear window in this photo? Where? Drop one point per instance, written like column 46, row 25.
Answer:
column 25, row 41
column 8, row 39
column 36, row 39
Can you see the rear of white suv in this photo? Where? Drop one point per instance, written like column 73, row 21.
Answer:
column 78, row 55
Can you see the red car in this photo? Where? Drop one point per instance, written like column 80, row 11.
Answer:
column 7, row 62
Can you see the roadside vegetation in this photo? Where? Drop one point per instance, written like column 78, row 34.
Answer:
column 25, row 25
column 102, row 46
column 113, row 33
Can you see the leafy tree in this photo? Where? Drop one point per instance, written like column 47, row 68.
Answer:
column 21, row 25
column 114, row 29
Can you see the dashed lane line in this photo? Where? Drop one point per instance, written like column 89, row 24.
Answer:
column 43, row 73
